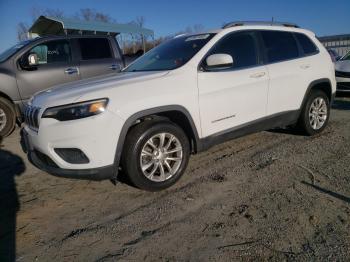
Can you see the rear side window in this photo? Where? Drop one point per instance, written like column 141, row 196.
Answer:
column 279, row 46
column 241, row 46
column 306, row 44
column 95, row 48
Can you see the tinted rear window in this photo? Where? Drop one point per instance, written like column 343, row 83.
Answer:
column 306, row 44
column 94, row 48
column 280, row 46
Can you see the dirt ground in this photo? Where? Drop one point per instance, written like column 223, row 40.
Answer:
column 274, row 195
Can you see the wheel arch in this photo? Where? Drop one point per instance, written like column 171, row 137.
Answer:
column 323, row 84
column 175, row 113
column 3, row 95
column 15, row 106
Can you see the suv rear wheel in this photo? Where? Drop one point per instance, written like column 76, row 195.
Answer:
column 7, row 117
column 155, row 154
column 315, row 113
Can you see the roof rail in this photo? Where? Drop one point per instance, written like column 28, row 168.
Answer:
column 271, row 23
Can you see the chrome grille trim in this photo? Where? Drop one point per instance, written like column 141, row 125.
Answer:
column 31, row 117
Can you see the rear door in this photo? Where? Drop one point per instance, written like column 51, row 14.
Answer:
column 55, row 67
column 288, row 71
column 97, row 57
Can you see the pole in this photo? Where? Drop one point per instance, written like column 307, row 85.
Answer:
column 144, row 43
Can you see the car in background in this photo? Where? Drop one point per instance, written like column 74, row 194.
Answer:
column 37, row 64
column 342, row 73
column 334, row 55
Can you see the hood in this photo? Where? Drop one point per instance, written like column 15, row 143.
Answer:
column 71, row 92
column 343, row 66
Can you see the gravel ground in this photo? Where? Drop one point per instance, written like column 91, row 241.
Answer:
column 274, row 195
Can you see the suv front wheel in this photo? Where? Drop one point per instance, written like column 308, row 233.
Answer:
column 7, row 117
column 315, row 113
column 156, row 154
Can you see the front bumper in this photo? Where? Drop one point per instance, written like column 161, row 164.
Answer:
column 96, row 137
column 45, row 163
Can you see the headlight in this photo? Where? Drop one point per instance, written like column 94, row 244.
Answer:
column 77, row 110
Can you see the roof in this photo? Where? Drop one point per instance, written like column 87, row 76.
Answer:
column 260, row 26
column 54, row 26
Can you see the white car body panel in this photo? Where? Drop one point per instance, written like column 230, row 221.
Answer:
column 288, row 80
column 235, row 97
column 225, row 103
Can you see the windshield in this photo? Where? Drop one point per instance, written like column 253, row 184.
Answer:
column 346, row 57
column 171, row 54
column 9, row 52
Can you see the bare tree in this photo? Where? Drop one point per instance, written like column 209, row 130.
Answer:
column 140, row 21
column 197, row 28
column 36, row 12
column 22, row 30
column 137, row 41
column 88, row 14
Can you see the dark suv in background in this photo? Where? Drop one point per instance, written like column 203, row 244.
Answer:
column 37, row 64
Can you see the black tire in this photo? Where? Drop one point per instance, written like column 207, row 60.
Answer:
column 7, row 107
column 304, row 120
column 134, row 142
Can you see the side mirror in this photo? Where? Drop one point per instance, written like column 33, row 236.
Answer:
column 33, row 59
column 219, row 61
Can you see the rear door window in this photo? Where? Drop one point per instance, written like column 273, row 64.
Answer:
column 95, row 48
column 279, row 46
column 306, row 44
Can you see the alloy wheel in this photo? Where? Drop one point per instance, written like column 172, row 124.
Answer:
column 161, row 157
column 3, row 119
column 318, row 113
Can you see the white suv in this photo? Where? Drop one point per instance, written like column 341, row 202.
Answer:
column 189, row 93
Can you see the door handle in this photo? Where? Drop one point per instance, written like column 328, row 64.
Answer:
column 71, row 70
column 114, row 67
column 305, row 66
column 258, row 75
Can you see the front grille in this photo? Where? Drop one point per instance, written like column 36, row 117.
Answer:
column 342, row 74
column 31, row 117
column 345, row 86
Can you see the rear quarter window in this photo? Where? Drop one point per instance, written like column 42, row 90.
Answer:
column 306, row 44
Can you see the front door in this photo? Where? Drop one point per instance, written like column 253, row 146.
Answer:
column 237, row 95
column 55, row 67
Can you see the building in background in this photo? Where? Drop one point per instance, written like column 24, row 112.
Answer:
column 338, row 43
